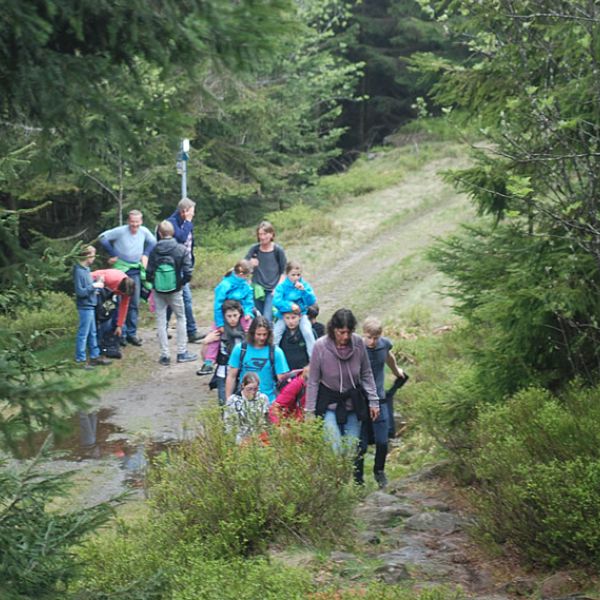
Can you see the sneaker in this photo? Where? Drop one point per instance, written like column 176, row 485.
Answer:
column 134, row 340
column 100, row 360
column 165, row 361
column 84, row 365
column 381, row 479
column 195, row 338
column 205, row 369
column 186, row 357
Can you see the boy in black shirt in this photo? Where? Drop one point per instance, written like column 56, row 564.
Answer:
column 292, row 342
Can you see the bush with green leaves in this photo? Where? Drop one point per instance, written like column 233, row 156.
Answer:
column 243, row 497
column 215, row 507
column 538, row 468
column 54, row 316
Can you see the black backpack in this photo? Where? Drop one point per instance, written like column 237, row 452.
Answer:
column 110, row 346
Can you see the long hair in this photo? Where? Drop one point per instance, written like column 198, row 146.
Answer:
column 341, row 319
column 257, row 322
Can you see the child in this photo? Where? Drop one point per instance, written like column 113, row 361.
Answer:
column 246, row 412
column 291, row 400
column 378, row 351
column 120, row 285
column 169, row 269
column 294, row 294
column 234, row 286
column 312, row 313
column 292, row 342
column 233, row 333
column 86, row 298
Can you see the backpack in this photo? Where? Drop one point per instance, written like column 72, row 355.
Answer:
column 165, row 276
column 110, row 346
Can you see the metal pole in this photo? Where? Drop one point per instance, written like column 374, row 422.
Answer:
column 184, row 178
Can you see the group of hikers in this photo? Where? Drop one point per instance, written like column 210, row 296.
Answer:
column 268, row 357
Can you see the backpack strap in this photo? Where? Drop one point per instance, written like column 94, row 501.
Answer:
column 272, row 359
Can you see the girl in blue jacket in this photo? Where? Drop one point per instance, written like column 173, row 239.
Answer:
column 233, row 286
column 294, row 294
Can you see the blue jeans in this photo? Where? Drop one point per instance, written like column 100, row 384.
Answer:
column 190, row 322
column 335, row 432
column 86, row 335
column 265, row 306
column 130, row 328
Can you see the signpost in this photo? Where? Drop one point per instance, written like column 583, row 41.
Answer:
column 182, row 158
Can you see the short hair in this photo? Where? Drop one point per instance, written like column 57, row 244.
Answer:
column 250, row 377
column 230, row 304
column 372, row 326
column 135, row 213
column 312, row 312
column 342, row 318
column 257, row 322
column 166, row 229
column 291, row 265
column 243, row 267
column 126, row 286
column 185, row 204
column 266, row 226
column 87, row 251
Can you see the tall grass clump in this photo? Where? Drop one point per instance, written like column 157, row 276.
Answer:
column 216, row 506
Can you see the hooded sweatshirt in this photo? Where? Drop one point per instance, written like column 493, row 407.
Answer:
column 340, row 369
column 287, row 293
column 233, row 287
column 183, row 261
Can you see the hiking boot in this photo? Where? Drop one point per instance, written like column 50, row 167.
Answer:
column 381, row 479
column 195, row 338
column 122, row 342
column 205, row 369
column 84, row 365
column 134, row 340
column 165, row 361
column 186, row 357
column 100, row 360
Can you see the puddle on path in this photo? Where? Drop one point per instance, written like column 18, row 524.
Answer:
column 90, row 438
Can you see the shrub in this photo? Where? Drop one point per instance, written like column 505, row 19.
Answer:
column 538, row 462
column 213, row 506
column 242, row 497
column 55, row 317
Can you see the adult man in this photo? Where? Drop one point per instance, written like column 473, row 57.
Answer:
column 181, row 220
column 129, row 247
column 169, row 269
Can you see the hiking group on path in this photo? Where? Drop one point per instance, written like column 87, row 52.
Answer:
column 268, row 357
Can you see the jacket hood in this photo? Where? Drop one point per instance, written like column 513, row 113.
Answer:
column 165, row 246
column 330, row 345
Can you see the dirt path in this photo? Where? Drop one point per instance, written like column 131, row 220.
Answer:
column 375, row 265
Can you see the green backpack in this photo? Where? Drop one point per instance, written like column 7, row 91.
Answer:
column 165, row 276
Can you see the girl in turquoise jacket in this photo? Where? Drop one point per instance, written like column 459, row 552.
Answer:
column 294, row 294
column 233, row 286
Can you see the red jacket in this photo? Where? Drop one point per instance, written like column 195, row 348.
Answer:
column 112, row 279
column 290, row 401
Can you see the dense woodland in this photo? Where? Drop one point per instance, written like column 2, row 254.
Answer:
column 273, row 94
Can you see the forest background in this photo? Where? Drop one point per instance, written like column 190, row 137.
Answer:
column 274, row 96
